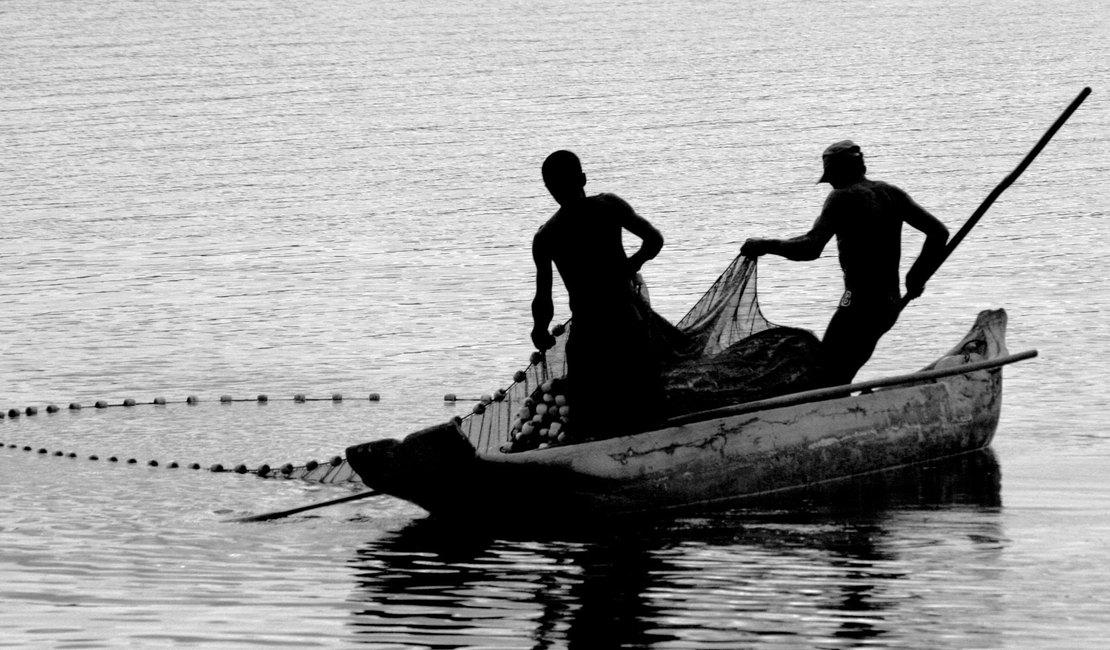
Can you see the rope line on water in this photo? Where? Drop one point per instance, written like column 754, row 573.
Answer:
column 191, row 400
column 335, row 470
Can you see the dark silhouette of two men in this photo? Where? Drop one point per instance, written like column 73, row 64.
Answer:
column 614, row 357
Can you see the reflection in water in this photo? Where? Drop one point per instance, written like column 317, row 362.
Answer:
column 609, row 605
column 830, row 564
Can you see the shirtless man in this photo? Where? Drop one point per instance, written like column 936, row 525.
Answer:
column 866, row 217
column 614, row 380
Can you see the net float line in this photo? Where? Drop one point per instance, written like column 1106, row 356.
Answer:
column 482, row 431
column 191, row 400
column 488, row 424
column 333, row 471
column 541, row 367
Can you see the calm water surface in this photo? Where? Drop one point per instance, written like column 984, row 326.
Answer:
column 248, row 197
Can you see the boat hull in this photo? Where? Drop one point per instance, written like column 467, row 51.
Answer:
column 715, row 458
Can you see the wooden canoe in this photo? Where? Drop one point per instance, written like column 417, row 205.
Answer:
column 722, row 456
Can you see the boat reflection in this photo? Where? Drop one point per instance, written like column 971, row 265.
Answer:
column 831, row 563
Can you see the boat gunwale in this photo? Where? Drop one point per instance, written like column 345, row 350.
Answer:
column 551, row 454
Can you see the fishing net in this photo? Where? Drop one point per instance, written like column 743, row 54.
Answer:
column 723, row 351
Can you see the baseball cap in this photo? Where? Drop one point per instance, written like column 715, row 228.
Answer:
column 837, row 153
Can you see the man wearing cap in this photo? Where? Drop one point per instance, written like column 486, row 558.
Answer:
column 866, row 217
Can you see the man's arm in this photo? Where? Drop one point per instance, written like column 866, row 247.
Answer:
column 651, row 240
column 800, row 249
column 932, row 251
column 543, row 308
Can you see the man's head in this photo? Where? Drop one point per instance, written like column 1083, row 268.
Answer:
column 843, row 162
column 562, row 174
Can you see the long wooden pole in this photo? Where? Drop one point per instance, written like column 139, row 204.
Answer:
column 292, row 511
column 1006, row 182
column 833, row 392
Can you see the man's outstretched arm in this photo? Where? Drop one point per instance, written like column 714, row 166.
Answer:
column 799, row 249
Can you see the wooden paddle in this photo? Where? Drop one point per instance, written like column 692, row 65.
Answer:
column 285, row 513
column 1006, row 182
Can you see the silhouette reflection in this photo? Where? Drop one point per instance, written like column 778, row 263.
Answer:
column 822, row 565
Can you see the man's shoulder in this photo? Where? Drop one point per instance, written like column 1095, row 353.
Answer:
column 547, row 226
column 843, row 196
column 864, row 188
column 609, row 200
column 883, row 187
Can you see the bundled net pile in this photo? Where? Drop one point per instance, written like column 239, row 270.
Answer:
column 723, row 351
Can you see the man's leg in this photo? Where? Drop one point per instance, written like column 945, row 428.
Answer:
column 850, row 339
